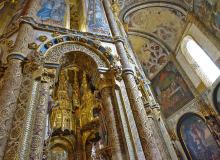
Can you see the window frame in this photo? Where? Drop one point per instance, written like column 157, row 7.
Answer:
column 193, row 64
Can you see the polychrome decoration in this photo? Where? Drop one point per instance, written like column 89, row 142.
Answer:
column 97, row 21
column 52, row 10
column 198, row 141
column 208, row 11
column 171, row 90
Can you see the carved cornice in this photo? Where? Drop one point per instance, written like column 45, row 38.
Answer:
column 52, row 50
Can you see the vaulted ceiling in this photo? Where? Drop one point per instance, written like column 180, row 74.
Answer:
column 155, row 27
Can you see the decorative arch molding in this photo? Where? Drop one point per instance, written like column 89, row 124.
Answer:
column 142, row 5
column 64, row 143
column 54, row 49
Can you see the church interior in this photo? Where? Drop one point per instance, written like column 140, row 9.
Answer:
column 109, row 80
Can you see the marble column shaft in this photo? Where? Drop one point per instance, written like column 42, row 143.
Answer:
column 113, row 137
column 148, row 142
column 12, row 81
column 37, row 143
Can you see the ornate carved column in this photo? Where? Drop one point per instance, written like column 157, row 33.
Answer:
column 144, row 124
column 37, row 143
column 21, row 125
column 27, row 124
column 12, row 82
column 113, row 137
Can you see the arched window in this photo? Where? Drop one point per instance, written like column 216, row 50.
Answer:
column 200, row 61
column 196, row 138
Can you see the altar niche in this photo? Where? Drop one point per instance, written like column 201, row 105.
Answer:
column 75, row 129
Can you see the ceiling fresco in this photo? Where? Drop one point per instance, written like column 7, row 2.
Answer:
column 128, row 3
column 151, row 55
column 208, row 12
column 164, row 23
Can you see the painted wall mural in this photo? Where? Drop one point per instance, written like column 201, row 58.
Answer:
column 164, row 23
column 52, row 10
column 171, row 90
column 97, row 21
column 197, row 138
column 209, row 12
column 150, row 54
column 157, row 59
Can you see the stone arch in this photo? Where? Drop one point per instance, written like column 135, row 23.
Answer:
column 64, row 143
column 54, row 49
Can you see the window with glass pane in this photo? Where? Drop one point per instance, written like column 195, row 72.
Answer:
column 200, row 61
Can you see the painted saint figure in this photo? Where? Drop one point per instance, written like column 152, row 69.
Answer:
column 52, row 9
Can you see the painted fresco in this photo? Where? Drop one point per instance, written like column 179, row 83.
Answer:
column 97, row 21
column 171, row 90
column 198, row 139
column 209, row 12
column 52, row 10
column 166, row 24
column 157, row 58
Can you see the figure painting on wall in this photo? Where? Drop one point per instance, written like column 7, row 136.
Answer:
column 171, row 90
column 197, row 139
column 52, row 10
column 97, row 21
